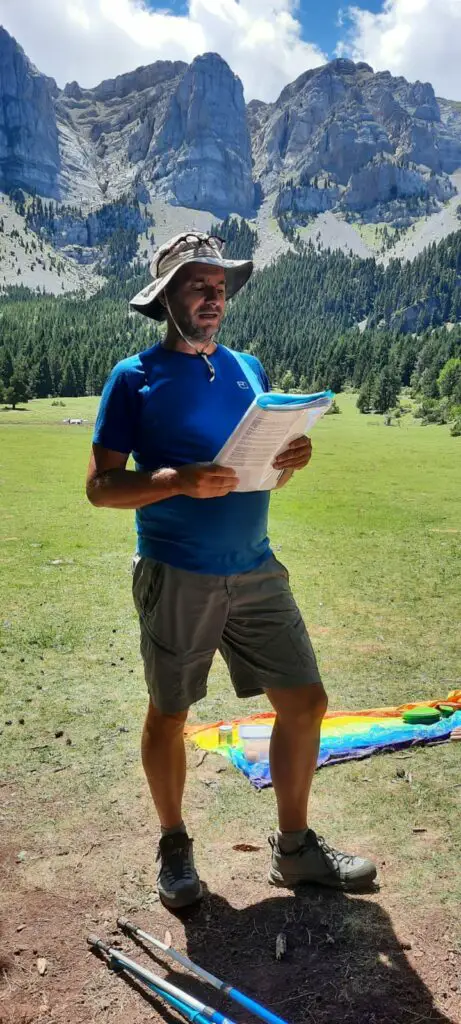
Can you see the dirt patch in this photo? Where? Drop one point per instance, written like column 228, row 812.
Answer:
column 344, row 961
column 349, row 960
column 75, row 987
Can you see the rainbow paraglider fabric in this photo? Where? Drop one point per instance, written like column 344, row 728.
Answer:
column 345, row 736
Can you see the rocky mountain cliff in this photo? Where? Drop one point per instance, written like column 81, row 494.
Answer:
column 370, row 138
column 29, row 146
column 339, row 117
column 172, row 130
column 341, row 151
column 339, row 137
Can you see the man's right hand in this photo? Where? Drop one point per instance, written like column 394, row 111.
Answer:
column 208, row 481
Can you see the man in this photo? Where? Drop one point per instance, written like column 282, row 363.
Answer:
column 204, row 577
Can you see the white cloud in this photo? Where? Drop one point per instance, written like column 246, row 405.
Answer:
column 419, row 39
column 89, row 40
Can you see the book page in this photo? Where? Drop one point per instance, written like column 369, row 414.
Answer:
column 260, row 437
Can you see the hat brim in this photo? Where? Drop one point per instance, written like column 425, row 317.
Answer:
column 147, row 301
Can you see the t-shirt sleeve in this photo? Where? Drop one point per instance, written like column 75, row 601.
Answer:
column 259, row 370
column 115, row 426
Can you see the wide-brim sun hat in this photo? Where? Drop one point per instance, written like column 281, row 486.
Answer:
column 195, row 247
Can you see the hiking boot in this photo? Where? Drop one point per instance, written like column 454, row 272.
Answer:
column 316, row 863
column 178, row 883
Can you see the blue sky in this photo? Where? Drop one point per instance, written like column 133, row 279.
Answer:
column 319, row 18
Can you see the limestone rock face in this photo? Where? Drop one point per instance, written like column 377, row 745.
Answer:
column 339, row 117
column 29, row 149
column 339, row 137
column 203, row 151
column 176, row 131
column 384, row 181
column 106, row 132
column 306, row 199
column 70, row 228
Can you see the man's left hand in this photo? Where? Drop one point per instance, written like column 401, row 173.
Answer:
column 296, row 456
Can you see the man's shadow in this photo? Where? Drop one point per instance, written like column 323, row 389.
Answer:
column 343, row 961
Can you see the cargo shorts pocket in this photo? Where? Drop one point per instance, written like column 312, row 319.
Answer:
column 148, row 576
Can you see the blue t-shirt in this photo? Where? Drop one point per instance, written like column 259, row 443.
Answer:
column 161, row 406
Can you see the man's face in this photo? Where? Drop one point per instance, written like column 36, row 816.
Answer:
column 197, row 296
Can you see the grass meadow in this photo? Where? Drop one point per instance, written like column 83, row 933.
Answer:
column 371, row 535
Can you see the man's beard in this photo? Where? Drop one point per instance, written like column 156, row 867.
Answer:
column 193, row 331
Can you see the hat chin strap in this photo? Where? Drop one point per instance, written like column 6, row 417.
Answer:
column 192, row 344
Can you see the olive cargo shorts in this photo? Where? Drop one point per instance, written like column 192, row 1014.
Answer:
column 251, row 618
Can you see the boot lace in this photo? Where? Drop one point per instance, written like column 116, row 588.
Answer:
column 332, row 856
column 174, row 856
column 334, row 859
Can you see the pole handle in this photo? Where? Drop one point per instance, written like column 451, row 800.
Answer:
column 126, row 926
column 96, row 944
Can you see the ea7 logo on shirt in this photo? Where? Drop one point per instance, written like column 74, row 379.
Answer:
column 243, row 384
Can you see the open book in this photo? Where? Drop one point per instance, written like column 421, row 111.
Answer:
column 266, row 429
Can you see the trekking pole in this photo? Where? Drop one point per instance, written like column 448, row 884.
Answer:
column 191, row 1015
column 233, row 993
column 190, row 1007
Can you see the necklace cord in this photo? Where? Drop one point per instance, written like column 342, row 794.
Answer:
column 199, row 352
